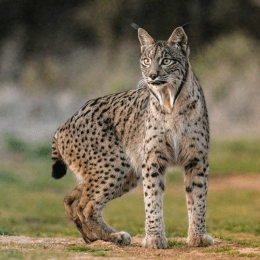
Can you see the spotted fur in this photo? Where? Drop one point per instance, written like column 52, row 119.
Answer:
column 114, row 140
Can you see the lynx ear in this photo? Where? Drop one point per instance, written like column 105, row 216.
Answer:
column 179, row 38
column 144, row 38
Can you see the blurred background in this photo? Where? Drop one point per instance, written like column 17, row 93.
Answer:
column 57, row 54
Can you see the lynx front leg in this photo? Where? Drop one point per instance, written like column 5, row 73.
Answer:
column 153, row 174
column 196, row 182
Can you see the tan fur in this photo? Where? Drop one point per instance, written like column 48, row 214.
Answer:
column 114, row 140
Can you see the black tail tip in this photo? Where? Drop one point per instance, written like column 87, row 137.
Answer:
column 59, row 169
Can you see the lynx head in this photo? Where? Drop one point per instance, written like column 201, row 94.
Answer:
column 164, row 65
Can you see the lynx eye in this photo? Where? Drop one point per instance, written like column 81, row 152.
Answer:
column 166, row 61
column 146, row 61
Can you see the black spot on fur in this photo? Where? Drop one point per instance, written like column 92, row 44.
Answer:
column 161, row 185
column 199, row 185
column 191, row 164
column 188, row 189
column 155, row 174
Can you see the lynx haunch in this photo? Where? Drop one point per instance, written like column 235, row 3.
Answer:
column 114, row 140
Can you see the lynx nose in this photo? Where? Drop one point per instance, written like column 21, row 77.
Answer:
column 153, row 76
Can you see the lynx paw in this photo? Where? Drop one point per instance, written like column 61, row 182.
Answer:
column 121, row 238
column 200, row 240
column 159, row 242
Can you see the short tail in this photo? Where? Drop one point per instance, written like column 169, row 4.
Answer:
column 59, row 168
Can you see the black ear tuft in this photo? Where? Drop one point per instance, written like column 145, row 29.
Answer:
column 186, row 25
column 135, row 26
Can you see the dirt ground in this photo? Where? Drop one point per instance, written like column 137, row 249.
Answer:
column 129, row 252
column 245, row 181
column 136, row 251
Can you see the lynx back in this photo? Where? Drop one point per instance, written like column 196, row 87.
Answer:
column 114, row 140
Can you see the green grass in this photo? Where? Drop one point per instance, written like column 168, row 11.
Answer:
column 235, row 156
column 247, row 255
column 219, row 249
column 41, row 252
column 32, row 202
column 234, row 210
column 174, row 243
column 83, row 248
column 230, row 251
column 249, row 243
column 96, row 251
column 31, row 254
column 29, row 149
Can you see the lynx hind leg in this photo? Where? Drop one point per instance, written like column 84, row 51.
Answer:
column 97, row 191
column 71, row 202
column 196, row 182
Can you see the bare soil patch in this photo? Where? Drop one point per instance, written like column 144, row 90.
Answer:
column 135, row 251
column 244, row 181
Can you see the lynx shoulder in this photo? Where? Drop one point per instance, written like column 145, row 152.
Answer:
column 113, row 141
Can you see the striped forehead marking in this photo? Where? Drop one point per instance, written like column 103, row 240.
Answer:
column 158, row 50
